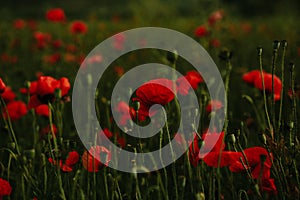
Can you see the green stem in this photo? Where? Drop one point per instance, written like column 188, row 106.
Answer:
column 264, row 91
column 8, row 123
column 282, row 89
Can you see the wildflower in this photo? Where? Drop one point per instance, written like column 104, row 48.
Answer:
column 19, row 24
column 48, row 130
column 124, row 113
column 215, row 43
column 56, row 15
column 45, row 88
column 118, row 41
column 214, row 105
column 92, row 160
column 215, row 16
column 8, row 95
column 78, row 27
column 201, row 31
column 42, row 39
column 193, row 78
column 210, row 142
column 157, row 91
column 15, row 109
column 254, row 78
column 119, row 70
column 237, row 163
column 2, row 86
column 42, row 110
column 5, row 188
column 67, row 165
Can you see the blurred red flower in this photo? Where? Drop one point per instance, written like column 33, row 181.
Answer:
column 215, row 16
column 78, row 27
column 56, row 44
column 216, row 104
column 47, row 130
column 254, row 78
column 5, row 188
column 15, row 109
column 42, row 39
column 56, row 15
column 119, row 70
column 2, row 86
column 42, row 110
column 92, row 160
column 124, row 112
column 193, row 77
column 118, row 41
column 215, row 43
column 8, row 95
column 52, row 59
column 19, row 24
column 201, row 31
column 71, row 160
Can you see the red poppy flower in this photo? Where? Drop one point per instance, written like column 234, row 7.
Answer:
column 42, row 110
column 215, row 43
column 201, row 31
column 124, row 112
column 92, row 160
column 47, row 130
column 215, row 105
column 193, row 77
column 31, row 90
column 5, row 188
column 52, row 59
column 254, row 78
column 153, row 92
column 119, row 70
column 156, row 92
column 42, row 39
column 71, row 160
column 215, row 16
column 211, row 142
column 78, row 27
column 19, row 24
column 15, row 109
column 118, row 41
column 45, row 88
column 8, row 95
column 2, row 86
column 56, row 44
column 56, row 15
column 254, row 163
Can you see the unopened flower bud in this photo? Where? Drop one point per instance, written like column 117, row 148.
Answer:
column 232, row 139
column 172, row 56
column 276, row 45
column 259, row 50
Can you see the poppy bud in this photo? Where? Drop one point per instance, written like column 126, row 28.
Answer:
column 30, row 153
column 172, row 56
column 276, row 45
column 2, row 86
column 292, row 67
column 263, row 138
column 284, row 43
column 232, row 139
column 225, row 54
column 259, row 51
column 11, row 145
column 136, row 105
